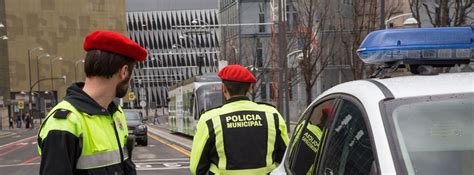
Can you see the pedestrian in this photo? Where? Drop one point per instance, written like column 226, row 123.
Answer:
column 86, row 133
column 241, row 136
column 23, row 118
column 10, row 122
column 28, row 120
column 156, row 118
column 18, row 121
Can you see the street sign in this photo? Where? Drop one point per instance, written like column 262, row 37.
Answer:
column 21, row 104
column 142, row 103
column 131, row 96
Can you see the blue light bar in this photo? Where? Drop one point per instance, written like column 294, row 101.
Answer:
column 433, row 44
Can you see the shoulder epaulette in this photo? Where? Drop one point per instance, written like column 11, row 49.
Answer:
column 210, row 109
column 263, row 103
column 61, row 114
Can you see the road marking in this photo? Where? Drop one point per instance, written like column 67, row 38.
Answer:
column 172, row 165
column 160, row 160
column 31, row 160
column 7, row 135
column 162, row 163
column 18, row 141
column 164, row 168
column 14, row 165
column 11, row 150
column 177, row 148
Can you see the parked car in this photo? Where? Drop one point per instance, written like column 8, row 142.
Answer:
column 136, row 127
column 415, row 124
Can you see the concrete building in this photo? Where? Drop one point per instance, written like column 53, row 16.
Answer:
column 179, row 42
column 58, row 27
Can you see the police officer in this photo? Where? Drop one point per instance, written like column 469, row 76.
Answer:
column 239, row 137
column 86, row 133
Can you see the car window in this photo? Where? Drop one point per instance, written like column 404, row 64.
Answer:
column 348, row 149
column 307, row 139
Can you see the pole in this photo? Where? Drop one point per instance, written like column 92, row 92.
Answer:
column 37, row 71
column 75, row 73
column 51, row 75
column 30, row 105
column 382, row 14
column 282, row 77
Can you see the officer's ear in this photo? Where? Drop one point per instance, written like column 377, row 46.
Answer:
column 225, row 92
column 124, row 72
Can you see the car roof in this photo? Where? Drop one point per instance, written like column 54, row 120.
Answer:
column 422, row 85
column 407, row 86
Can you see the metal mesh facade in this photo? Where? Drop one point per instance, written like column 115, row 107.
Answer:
column 179, row 47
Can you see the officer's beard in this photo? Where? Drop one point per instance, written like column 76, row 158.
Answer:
column 122, row 88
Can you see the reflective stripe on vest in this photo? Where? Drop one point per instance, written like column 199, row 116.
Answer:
column 272, row 130
column 264, row 170
column 100, row 159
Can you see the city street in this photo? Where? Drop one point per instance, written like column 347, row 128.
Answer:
column 18, row 155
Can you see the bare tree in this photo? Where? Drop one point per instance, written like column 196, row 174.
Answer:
column 316, row 40
column 415, row 6
column 354, row 23
column 442, row 13
column 258, row 66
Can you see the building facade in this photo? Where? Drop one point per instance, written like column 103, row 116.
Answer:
column 44, row 41
column 181, row 44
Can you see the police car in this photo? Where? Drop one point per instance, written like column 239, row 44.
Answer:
column 422, row 123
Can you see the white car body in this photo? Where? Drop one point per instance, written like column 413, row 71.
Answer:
column 371, row 92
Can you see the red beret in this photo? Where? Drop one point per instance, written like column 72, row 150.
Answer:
column 114, row 42
column 236, row 73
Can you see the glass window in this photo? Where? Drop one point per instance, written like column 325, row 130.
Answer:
column 209, row 96
column 434, row 134
column 307, row 139
column 263, row 91
column 261, row 16
column 348, row 150
column 259, row 52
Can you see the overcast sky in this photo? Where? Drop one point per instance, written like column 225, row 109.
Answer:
column 164, row 5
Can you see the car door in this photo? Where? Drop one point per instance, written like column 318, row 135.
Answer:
column 308, row 136
column 349, row 147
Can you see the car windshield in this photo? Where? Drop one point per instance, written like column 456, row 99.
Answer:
column 434, row 134
column 131, row 115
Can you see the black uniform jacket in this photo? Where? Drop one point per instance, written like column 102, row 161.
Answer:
column 61, row 149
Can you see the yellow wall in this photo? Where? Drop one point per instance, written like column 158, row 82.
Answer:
column 59, row 27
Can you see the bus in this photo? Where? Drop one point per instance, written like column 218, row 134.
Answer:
column 189, row 98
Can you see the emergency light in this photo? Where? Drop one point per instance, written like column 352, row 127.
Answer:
column 449, row 44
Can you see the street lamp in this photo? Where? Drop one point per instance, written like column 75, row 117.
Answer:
column 29, row 76
column 40, row 80
column 199, row 56
column 51, row 60
column 4, row 37
column 37, row 67
column 75, row 68
column 396, row 17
